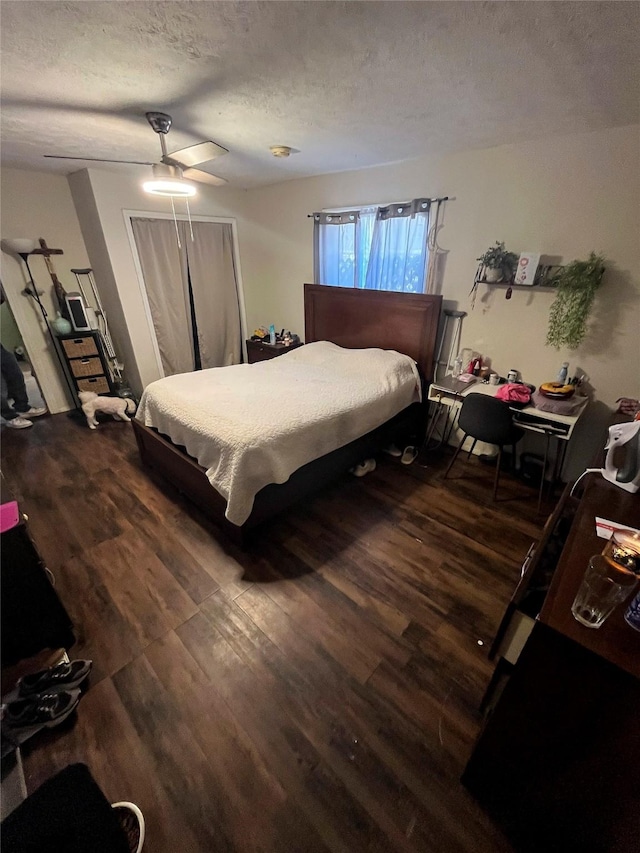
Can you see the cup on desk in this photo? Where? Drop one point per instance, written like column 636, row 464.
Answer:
column 605, row 585
column 494, row 379
column 623, row 549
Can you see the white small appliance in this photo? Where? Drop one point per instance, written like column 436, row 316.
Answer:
column 624, row 441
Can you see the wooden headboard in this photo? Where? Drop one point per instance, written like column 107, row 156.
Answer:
column 356, row 319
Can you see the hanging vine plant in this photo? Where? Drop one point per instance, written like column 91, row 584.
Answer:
column 576, row 284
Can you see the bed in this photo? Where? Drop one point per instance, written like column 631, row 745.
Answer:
column 261, row 464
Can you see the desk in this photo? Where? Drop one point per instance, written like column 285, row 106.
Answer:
column 32, row 616
column 449, row 393
column 557, row 758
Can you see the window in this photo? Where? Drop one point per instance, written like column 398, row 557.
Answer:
column 378, row 248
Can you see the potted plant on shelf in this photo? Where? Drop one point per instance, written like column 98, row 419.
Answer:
column 576, row 285
column 498, row 264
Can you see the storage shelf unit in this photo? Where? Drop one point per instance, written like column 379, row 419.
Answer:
column 87, row 363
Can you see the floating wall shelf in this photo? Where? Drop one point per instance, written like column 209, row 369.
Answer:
column 546, row 288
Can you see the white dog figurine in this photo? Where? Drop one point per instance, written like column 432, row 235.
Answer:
column 116, row 406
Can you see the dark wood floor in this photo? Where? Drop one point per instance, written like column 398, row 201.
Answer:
column 317, row 691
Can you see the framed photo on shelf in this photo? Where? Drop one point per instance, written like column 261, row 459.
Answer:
column 526, row 269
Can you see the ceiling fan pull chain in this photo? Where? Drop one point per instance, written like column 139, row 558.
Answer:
column 186, row 201
column 175, row 222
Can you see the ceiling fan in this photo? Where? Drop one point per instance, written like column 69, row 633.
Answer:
column 170, row 173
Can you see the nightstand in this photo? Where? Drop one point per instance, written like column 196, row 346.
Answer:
column 259, row 351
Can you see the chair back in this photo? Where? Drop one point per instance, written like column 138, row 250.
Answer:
column 487, row 419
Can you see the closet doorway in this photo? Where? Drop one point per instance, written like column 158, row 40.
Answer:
column 191, row 289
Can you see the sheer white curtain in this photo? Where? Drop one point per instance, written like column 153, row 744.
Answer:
column 398, row 256
column 215, row 293
column 335, row 243
column 164, row 269
column 378, row 248
column 437, row 255
column 366, row 227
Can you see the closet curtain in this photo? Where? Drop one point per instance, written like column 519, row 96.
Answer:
column 164, row 269
column 215, row 293
column 192, row 292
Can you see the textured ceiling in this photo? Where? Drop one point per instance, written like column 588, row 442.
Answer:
column 349, row 84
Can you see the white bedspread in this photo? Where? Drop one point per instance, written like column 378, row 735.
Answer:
column 250, row 425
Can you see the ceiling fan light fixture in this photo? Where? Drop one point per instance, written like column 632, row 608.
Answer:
column 170, row 188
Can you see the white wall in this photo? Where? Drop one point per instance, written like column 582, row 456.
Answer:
column 10, row 336
column 563, row 196
column 100, row 198
column 38, row 204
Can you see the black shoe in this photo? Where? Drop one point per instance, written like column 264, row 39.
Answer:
column 65, row 676
column 46, row 710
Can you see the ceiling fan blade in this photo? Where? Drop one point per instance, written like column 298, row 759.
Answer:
column 203, row 177
column 193, row 155
column 99, row 160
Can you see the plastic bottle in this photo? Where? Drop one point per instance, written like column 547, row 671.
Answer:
column 272, row 334
column 457, row 367
column 632, row 613
column 563, row 372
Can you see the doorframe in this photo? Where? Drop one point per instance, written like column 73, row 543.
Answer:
column 35, row 336
column 223, row 220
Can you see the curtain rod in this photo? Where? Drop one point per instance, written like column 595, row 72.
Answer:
column 444, row 198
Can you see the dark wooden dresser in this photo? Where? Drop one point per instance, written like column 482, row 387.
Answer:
column 259, row 351
column 33, row 617
column 558, row 757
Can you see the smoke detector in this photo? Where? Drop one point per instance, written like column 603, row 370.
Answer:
column 280, row 150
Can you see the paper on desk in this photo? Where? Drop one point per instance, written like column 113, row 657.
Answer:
column 606, row 528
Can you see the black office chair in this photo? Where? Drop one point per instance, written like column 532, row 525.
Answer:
column 490, row 420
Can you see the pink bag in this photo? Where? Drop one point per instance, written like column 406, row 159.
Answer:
column 514, row 392
column 9, row 516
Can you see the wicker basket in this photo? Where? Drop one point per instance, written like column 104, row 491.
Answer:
column 86, row 366
column 98, row 385
column 80, row 347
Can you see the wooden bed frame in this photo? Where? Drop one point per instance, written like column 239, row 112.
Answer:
column 351, row 318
